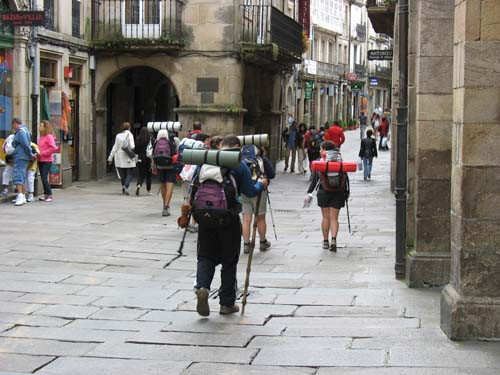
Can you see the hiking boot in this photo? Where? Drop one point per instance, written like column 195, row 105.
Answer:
column 202, row 306
column 165, row 212
column 226, row 310
column 246, row 247
column 326, row 245
column 333, row 245
column 265, row 245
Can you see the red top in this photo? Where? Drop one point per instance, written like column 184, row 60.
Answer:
column 384, row 127
column 336, row 135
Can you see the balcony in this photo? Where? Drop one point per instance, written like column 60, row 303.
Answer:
column 324, row 70
column 360, row 70
column 267, row 34
column 381, row 14
column 137, row 25
column 382, row 72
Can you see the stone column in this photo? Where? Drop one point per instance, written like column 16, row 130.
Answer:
column 470, row 304
column 429, row 163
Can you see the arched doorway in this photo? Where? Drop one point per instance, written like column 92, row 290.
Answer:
column 138, row 95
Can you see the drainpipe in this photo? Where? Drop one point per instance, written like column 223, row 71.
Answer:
column 402, row 142
column 36, row 84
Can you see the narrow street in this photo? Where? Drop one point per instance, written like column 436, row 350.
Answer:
column 92, row 284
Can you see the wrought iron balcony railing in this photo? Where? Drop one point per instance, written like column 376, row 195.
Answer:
column 383, row 72
column 139, row 22
column 360, row 70
column 265, row 24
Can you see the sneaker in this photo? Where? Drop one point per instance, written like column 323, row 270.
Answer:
column 137, row 190
column 265, row 245
column 226, row 310
column 125, row 191
column 5, row 193
column 149, row 192
column 192, row 228
column 246, row 247
column 202, row 306
column 42, row 198
column 326, row 245
column 20, row 200
column 49, row 199
column 165, row 212
column 333, row 245
column 30, row 198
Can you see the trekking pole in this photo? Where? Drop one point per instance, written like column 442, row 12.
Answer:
column 348, row 216
column 250, row 255
column 181, row 246
column 272, row 216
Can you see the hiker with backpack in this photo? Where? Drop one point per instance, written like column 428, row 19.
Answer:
column 332, row 193
column 124, row 156
column 313, row 142
column 367, row 151
column 163, row 165
column 260, row 167
column 216, row 207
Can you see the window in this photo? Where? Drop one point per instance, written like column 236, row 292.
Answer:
column 346, row 55
column 76, row 79
column 76, row 18
column 48, row 71
column 48, row 7
column 323, row 51
column 330, row 52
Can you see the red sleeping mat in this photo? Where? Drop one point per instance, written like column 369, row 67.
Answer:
column 333, row 166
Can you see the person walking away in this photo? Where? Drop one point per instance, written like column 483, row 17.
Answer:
column 143, row 162
column 313, row 142
column 164, row 150
column 219, row 237
column 301, row 146
column 31, row 173
column 22, row 155
column 124, row 156
column 384, row 131
column 367, row 152
column 362, row 122
column 8, row 171
column 260, row 167
column 196, row 130
column 376, row 125
column 335, row 134
column 47, row 146
column 333, row 190
column 291, row 146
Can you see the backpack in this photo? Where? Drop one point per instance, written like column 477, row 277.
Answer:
column 163, row 152
column 250, row 155
column 334, row 182
column 214, row 197
column 315, row 140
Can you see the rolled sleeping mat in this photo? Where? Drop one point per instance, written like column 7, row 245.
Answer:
column 226, row 159
column 191, row 143
column 333, row 166
column 171, row 126
column 259, row 140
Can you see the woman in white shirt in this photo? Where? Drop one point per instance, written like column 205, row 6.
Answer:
column 124, row 156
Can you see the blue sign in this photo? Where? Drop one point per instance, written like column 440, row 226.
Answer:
column 373, row 81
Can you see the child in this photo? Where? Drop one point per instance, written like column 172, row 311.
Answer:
column 30, row 174
column 8, row 171
column 333, row 190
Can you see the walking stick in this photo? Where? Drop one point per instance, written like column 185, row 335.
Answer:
column 272, row 216
column 348, row 216
column 250, row 255
column 181, row 246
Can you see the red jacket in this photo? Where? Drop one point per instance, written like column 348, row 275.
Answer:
column 384, row 127
column 336, row 135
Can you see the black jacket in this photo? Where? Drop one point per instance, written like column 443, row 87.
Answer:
column 368, row 148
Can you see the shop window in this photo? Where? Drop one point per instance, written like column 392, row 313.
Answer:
column 76, row 78
column 48, row 72
column 50, row 15
column 76, row 10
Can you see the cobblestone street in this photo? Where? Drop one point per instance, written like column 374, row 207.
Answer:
column 92, row 284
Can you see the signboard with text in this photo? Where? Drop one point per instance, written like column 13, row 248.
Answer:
column 380, row 54
column 55, row 173
column 28, row 18
column 305, row 16
column 309, row 90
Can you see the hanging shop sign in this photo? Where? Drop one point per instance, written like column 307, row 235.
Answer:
column 55, row 173
column 352, row 77
column 373, row 81
column 309, row 90
column 305, row 16
column 357, row 86
column 380, row 54
column 28, row 18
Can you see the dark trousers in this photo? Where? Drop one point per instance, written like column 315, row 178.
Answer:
column 126, row 175
column 144, row 173
column 312, row 155
column 44, row 167
column 219, row 246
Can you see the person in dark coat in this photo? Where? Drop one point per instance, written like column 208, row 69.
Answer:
column 367, row 152
column 144, row 163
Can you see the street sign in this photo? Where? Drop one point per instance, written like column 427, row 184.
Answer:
column 380, row 54
column 373, row 81
column 357, row 86
column 28, row 18
column 352, row 76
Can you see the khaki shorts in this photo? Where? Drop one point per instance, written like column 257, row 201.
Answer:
column 248, row 204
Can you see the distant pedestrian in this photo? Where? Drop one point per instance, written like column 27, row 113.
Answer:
column 196, row 129
column 313, row 143
column 47, row 146
column 301, row 147
column 376, row 124
column 8, row 171
column 363, row 122
column 384, row 132
column 335, row 134
column 22, row 155
column 289, row 121
column 333, row 190
column 290, row 137
column 124, row 156
column 143, row 162
column 367, row 152
column 164, row 150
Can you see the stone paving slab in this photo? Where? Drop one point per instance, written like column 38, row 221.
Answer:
column 225, row 369
column 22, row 363
column 405, row 371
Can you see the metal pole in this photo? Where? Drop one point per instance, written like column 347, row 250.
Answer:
column 402, row 142
column 348, row 92
column 36, row 84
